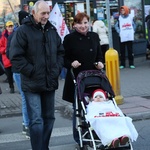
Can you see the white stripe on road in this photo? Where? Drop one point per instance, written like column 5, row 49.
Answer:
column 16, row 137
column 64, row 147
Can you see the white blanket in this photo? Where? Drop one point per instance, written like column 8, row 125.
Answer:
column 109, row 122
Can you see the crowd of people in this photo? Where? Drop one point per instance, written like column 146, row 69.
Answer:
column 36, row 69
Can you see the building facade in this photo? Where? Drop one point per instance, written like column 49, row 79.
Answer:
column 98, row 11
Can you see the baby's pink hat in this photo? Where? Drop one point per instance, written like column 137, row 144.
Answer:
column 99, row 92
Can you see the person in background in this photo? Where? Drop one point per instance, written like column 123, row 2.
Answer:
column 6, row 62
column 0, row 54
column 17, row 79
column 6, row 80
column 0, row 105
column 100, row 28
column 23, row 13
column 40, row 65
column 148, row 16
column 82, row 50
column 125, row 28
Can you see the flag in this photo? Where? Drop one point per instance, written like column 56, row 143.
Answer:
column 57, row 20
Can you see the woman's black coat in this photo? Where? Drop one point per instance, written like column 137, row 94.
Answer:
column 85, row 49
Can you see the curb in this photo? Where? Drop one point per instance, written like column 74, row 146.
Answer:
column 140, row 116
column 7, row 115
column 67, row 111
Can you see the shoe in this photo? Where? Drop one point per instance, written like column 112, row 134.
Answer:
column 124, row 140
column 115, row 143
column 121, row 67
column 12, row 90
column 25, row 129
column 5, row 81
column 132, row 67
column 27, row 133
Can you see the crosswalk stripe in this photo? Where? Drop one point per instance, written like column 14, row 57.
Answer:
column 16, row 137
column 64, row 147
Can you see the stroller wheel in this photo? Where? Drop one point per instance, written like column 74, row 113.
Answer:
column 85, row 147
column 102, row 147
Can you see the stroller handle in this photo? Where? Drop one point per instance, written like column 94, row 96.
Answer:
column 73, row 76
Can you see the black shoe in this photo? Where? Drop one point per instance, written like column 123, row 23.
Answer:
column 25, row 130
column 12, row 90
column 27, row 133
column 5, row 81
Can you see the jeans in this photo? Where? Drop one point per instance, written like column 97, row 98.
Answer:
column 63, row 73
column 17, row 79
column 40, row 108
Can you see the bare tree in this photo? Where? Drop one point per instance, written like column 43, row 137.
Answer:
column 13, row 11
column 4, row 15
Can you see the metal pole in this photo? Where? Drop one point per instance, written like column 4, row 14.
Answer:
column 88, row 10
column 13, row 11
column 109, row 24
column 88, row 7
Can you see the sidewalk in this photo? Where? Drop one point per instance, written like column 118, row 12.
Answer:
column 135, row 89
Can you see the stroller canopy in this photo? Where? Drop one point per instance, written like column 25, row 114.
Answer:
column 93, row 79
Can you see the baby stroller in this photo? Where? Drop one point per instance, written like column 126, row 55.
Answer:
column 86, row 82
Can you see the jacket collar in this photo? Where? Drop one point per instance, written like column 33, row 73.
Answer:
column 30, row 21
column 79, row 34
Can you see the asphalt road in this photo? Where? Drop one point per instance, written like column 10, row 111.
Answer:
column 11, row 137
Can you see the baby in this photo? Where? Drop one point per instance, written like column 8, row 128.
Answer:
column 108, row 120
column 99, row 96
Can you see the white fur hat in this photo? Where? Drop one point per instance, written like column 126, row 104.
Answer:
column 99, row 92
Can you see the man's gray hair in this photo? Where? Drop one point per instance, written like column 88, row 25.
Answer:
column 36, row 5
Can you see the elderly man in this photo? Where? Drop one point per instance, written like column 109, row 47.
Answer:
column 37, row 52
